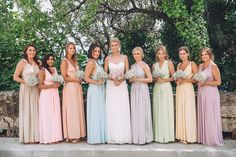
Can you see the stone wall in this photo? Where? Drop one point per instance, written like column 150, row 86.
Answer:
column 228, row 111
column 9, row 111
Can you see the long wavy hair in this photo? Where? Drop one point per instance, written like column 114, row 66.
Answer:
column 90, row 50
column 26, row 56
column 74, row 57
column 45, row 64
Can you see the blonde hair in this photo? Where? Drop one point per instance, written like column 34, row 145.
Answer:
column 116, row 40
column 138, row 49
column 66, row 48
column 208, row 51
column 163, row 48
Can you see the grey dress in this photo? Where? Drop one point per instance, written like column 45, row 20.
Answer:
column 141, row 118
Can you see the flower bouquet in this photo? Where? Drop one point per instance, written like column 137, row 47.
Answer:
column 200, row 76
column 116, row 75
column 101, row 75
column 156, row 74
column 179, row 74
column 58, row 79
column 130, row 74
column 32, row 81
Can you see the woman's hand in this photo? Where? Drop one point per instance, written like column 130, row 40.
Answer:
column 56, row 85
column 100, row 82
column 117, row 82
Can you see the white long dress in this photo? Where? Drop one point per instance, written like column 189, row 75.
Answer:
column 117, row 107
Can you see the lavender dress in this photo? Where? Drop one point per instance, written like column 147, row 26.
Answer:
column 141, row 117
column 209, row 117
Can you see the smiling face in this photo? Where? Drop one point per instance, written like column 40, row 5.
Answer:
column 71, row 49
column 205, row 56
column 96, row 52
column 183, row 55
column 31, row 52
column 161, row 55
column 115, row 47
column 137, row 55
column 50, row 61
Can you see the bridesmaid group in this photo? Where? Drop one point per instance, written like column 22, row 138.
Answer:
column 112, row 114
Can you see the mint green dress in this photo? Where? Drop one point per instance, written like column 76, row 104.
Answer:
column 163, row 107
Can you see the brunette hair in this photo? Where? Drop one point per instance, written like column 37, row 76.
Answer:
column 44, row 63
column 26, row 56
column 90, row 50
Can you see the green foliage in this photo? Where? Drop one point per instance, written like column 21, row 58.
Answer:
column 222, row 33
column 134, row 22
column 189, row 22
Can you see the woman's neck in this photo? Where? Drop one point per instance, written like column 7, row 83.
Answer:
column 117, row 53
column 207, row 62
column 30, row 60
column 161, row 61
column 185, row 61
column 138, row 61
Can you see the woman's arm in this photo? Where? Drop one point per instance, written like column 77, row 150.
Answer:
column 216, row 75
column 19, row 68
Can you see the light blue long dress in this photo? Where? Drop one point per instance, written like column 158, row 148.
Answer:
column 163, row 107
column 96, row 114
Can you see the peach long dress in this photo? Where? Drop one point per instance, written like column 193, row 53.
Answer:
column 73, row 106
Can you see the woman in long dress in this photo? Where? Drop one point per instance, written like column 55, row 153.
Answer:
column 26, row 74
column 117, row 97
column 50, row 128
column 96, row 113
column 186, row 119
column 163, row 103
column 72, row 100
column 141, row 116
column 209, row 115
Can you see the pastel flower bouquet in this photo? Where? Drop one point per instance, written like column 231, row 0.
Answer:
column 200, row 76
column 179, row 74
column 156, row 74
column 58, row 79
column 101, row 75
column 130, row 74
column 116, row 75
column 32, row 81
